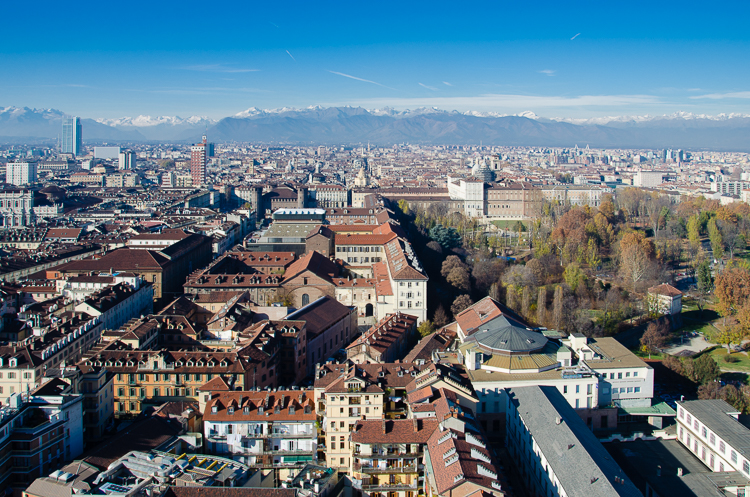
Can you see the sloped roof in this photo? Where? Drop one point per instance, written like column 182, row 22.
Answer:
column 504, row 335
column 665, row 289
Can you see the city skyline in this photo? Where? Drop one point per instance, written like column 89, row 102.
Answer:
column 554, row 60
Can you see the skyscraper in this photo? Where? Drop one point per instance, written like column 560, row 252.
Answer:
column 72, row 139
column 198, row 159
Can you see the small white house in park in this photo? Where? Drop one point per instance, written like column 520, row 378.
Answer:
column 665, row 299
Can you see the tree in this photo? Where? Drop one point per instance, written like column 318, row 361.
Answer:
column 732, row 290
column 673, row 363
column 705, row 280
column 486, row 272
column 541, row 306
column 657, row 335
column 592, row 255
column 461, row 303
column 494, row 292
column 537, row 269
column 426, row 328
column 451, row 262
column 403, row 205
column 705, row 369
column 557, row 308
column 284, row 297
column 526, row 303
column 459, row 278
column 511, row 298
column 729, row 336
column 446, row 237
column 717, row 242
column 435, row 247
column 693, row 231
column 636, row 255
column 732, row 237
column 709, row 391
column 440, row 318
column 574, row 276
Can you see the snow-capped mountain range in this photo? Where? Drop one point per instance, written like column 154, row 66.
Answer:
column 387, row 126
column 146, row 121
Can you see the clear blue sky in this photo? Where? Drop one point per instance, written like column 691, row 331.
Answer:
column 557, row 59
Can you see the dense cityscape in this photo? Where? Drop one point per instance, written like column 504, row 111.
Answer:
column 367, row 320
column 358, row 249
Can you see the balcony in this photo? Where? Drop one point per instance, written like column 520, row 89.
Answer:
column 367, row 469
column 390, row 487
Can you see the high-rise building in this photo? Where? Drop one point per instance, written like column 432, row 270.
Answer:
column 198, row 159
column 20, row 173
column 127, row 160
column 72, row 138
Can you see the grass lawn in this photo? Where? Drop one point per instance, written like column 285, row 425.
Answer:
column 744, row 361
column 505, row 224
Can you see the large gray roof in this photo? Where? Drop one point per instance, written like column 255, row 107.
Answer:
column 715, row 414
column 580, row 462
column 502, row 334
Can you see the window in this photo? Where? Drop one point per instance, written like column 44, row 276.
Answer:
column 627, row 374
column 565, row 388
column 635, row 373
column 733, row 457
column 578, row 403
column 578, row 388
column 746, row 467
column 619, row 376
column 611, row 376
column 704, row 432
column 637, row 389
column 722, row 447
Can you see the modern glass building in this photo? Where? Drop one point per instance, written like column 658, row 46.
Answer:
column 72, row 139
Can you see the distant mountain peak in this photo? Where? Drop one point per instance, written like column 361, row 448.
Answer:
column 142, row 121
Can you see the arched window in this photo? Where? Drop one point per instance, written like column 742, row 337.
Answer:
column 305, row 299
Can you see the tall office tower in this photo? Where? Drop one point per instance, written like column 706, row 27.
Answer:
column 198, row 161
column 127, row 160
column 72, row 138
column 20, row 173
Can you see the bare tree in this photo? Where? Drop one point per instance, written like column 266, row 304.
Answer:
column 461, row 303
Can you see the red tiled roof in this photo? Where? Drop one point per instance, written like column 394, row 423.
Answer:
column 406, row 431
column 665, row 289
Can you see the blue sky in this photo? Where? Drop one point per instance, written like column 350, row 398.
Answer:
column 557, row 59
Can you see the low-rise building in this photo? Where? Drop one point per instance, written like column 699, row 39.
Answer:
column 388, row 454
column 260, row 428
column 664, row 299
column 554, row 450
column 710, row 429
column 387, row 341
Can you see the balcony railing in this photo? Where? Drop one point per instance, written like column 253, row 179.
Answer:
column 391, row 487
column 386, row 470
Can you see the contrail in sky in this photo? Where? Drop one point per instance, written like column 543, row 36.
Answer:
column 576, row 36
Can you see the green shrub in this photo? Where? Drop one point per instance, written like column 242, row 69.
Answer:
column 730, row 358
